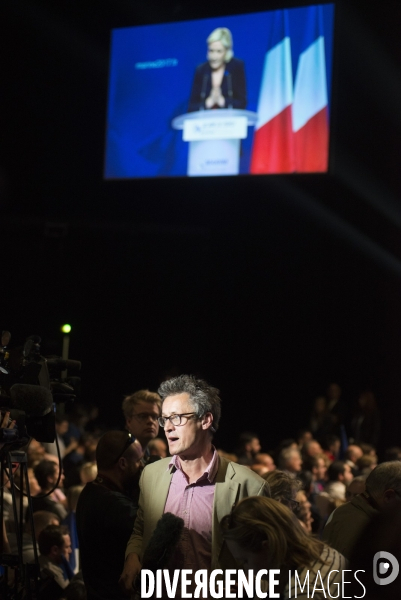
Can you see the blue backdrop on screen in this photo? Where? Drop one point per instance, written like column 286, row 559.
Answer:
column 151, row 74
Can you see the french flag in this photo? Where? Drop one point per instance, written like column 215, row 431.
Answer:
column 310, row 117
column 273, row 147
column 292, row 130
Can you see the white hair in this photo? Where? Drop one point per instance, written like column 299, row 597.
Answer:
column 223, row 35
column 285, row 455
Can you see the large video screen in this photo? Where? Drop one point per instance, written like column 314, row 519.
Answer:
column 243, row 94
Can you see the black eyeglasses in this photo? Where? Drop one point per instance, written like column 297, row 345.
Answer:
column 130, row 440
column 145, row 416
column 175, row 419
column 291, row 503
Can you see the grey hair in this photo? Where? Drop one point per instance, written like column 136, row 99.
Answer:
column 285, row 455
column 384, row 477
column 283, row 487
column 203, row 397
column 223, row 35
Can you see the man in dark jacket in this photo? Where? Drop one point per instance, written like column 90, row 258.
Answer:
column 106, row 514
column 348, row 522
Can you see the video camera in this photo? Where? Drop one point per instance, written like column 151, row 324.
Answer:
column 30, row 384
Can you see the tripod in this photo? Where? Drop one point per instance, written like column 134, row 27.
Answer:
column 26, row 576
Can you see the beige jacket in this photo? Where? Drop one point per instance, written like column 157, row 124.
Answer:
column 233, row 482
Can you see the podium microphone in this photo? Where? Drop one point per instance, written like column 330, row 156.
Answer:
column 230, row 89
column 203, row 91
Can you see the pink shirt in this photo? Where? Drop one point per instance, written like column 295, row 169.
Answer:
column 194, row 504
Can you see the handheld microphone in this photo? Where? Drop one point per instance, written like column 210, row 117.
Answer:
column 63, row 364
column 163, row 542
column 161, row 545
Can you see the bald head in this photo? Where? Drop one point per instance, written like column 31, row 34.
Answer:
column 114, row 445
column 353, row 453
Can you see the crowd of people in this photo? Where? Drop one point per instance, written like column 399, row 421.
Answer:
column 100, row 515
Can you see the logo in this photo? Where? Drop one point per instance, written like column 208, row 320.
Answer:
column 386, row 564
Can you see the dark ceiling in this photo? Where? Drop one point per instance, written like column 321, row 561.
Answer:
column 269, row 287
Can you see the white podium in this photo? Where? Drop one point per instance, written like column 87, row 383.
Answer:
column 214, row 138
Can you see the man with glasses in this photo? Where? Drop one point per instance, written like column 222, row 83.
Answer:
column 195, row 483
column 106, row 513
column 141, row 411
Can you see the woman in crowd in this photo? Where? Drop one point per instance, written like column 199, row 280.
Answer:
column 262, row 533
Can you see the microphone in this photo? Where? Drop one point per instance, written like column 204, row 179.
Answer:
column 229, row 89
column 34, row 400
column 203, row 92
column 163, row 542
column 63, row 364
column 161, row 545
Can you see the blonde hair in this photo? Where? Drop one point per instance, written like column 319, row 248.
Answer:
column 132, row 400
column 88, row 472
column 73, row 494
column 258, row 519
column 223, row 35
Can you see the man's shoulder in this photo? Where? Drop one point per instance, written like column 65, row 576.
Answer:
column 360, row 504
column 351, row 513
column 245, row 475
column 154, row 469
column 240, row 470
column 92, row 490
column 46, row 563
column 100, row 498
column 203, row 68
column 57, row 571
column 357, row 505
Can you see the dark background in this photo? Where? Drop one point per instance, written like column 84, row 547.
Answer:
column 269, row 287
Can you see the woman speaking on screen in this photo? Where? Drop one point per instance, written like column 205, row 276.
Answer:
column 219, row 82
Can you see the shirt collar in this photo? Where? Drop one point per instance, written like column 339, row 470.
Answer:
column 210, row 471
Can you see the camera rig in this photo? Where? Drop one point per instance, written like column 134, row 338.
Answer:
column 30, row 387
